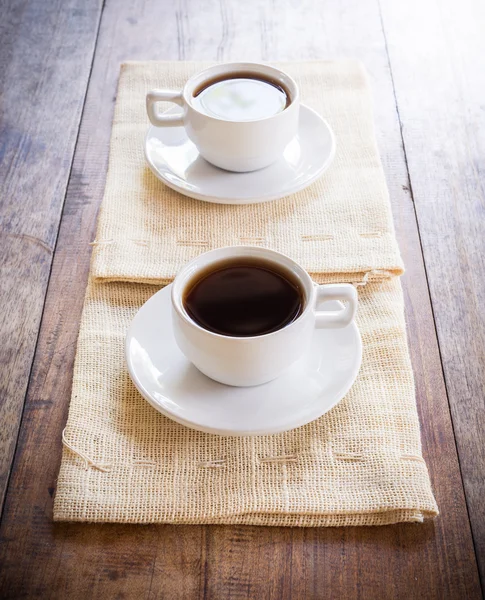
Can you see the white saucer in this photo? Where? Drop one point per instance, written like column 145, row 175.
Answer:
column 176, row 161
column 173, row 386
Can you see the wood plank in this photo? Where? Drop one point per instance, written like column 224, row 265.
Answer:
column 66, row 560
column 440, row 88
column 46, row 52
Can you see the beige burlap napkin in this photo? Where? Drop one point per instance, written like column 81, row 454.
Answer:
column 340, row 224
column 361, row 463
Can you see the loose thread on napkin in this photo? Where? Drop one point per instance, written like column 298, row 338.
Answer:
column 279, row 459
column 414, row 457
column 252, row 240
column 101, row 242
column 212, row 464
column 317, row 237
column 365, row 279
column 197, row 243
column 88, row 461
column 348, row 456
column 371, row 234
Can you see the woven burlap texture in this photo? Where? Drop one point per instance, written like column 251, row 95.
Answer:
column 360, row 464
column 340, row 224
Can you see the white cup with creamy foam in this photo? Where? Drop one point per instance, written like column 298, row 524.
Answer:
column 240, row 116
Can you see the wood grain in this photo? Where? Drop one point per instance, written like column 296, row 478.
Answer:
column 440, row 90
column 40, row 559
column 46, row 50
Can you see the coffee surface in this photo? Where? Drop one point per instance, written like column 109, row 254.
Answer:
column 241, row 98
column 244, row 298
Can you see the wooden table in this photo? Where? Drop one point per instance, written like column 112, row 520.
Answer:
column 59, row 63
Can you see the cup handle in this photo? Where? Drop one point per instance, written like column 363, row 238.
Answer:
column 161, row 120
column 336, row 318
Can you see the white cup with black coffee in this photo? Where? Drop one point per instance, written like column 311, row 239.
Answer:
column 240, row 116
column 242, row 314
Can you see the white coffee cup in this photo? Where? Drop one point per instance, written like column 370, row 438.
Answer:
column 231, row 145
column 247, row 361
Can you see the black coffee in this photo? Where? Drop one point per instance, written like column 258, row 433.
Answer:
column 244, row 297
column 241, row 96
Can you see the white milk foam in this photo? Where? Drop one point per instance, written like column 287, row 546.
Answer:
column 241, row 100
